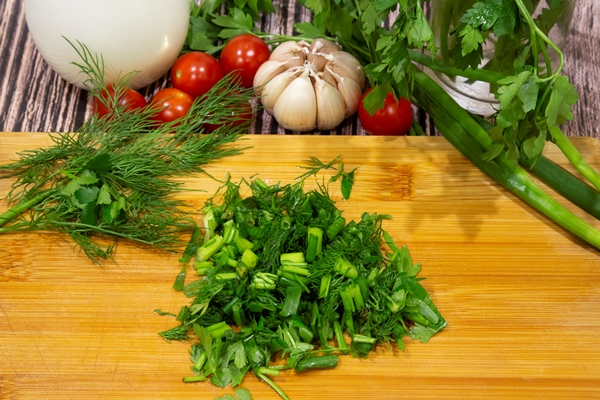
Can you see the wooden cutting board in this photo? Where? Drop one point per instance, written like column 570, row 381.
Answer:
column 521, row 295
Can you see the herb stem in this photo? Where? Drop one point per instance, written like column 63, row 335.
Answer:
column 561, row 180
column 537, row 31
column 23, row 206
column 574, row 156
column 110, row 232
column 276, row 388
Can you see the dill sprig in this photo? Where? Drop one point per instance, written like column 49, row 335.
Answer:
column 112, row 177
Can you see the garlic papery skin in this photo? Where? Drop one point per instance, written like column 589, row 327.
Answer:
column 321, row 45
column 331, row 108
column 273, row 89
column 296, row 107
column 344, row 64
column 317, row 51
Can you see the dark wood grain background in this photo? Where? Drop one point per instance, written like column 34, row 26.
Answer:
column 33, row 98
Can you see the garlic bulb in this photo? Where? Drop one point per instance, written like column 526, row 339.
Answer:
column 310, row 86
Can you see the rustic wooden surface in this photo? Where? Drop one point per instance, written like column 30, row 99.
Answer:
column 521, row 296
column 34, row 99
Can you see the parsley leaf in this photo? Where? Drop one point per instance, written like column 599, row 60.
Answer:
column 563, row 97
column 235, row 24
column 471, row 39
column 510, row 87
column 308, row 30
column 498, row 15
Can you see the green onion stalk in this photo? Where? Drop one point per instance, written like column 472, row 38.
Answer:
column 526, row 77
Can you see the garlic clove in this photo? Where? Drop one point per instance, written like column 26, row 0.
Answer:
column 267, row 71
column 349, row 89
column 328, row 77
column 273, row 89
column 346, row 65
column 296, row 107
column 351, row 93
column 331, row 108
column 289, row 51
column 321, row 45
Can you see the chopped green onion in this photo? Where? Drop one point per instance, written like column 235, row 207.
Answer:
column 324, row 288
column 210, row 248
column 191, row 379
column 335, row 227
column 291, row 301
column 250, row 259
column 345, row 268
column 292, row 258
column 315, row 243
column 318, row 362
column 242, row 244
column 218, row 330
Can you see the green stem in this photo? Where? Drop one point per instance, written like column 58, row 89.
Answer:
column 567, row 185
column 22, row 207
column 276, row 388
column 517, row 181
column 546, row 60
column 574, row 156
column 537, row 31
column 433, row 90
column 559, row 179
column 99, row 229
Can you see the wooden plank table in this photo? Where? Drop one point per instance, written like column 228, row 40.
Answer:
column 521, row 295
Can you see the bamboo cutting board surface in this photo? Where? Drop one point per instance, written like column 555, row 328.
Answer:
column 521, row 296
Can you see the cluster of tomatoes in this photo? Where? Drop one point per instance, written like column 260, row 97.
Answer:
column 192, row 75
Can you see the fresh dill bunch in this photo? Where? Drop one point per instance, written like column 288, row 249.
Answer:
column 112, row 177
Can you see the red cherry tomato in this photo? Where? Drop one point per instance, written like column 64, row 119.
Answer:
column 244, row 54
column 195, row 73
column 172, row 104
column 395, row 118
column 129, row 100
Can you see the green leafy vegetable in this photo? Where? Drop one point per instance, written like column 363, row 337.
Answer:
column 534, row 96
column 113, row 176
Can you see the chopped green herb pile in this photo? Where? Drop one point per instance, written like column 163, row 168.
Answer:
column 284, row 274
